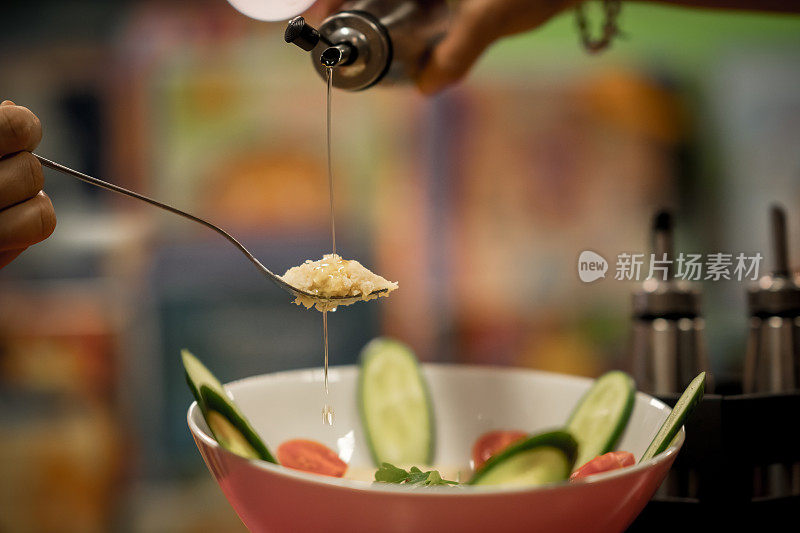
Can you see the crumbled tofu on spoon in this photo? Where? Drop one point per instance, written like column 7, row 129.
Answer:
column 334, row 277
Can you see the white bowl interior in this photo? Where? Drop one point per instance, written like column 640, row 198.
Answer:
column 468, row 401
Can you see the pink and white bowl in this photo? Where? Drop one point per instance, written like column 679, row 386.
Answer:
column 468, row 401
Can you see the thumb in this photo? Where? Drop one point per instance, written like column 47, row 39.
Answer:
column 9, row 255
column 453, row 56
column 7, row 102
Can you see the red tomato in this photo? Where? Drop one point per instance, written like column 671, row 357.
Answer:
column 603, row 463
column 492, row 442
column 311, row 456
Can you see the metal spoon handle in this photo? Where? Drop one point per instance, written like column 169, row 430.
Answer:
column 116, row 188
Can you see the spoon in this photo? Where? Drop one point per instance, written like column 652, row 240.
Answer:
column 277, row 280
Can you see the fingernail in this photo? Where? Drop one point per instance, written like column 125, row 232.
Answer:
column 7, row 102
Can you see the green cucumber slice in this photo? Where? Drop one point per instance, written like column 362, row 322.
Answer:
column 231, row 428
column 198, row 375
column 394, row 404
column 536, row 460
column 600, row 417
column 684, row 406
column 229, row 437
column 226, row 422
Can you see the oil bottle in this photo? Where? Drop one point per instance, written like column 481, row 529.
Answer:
column 372, row 41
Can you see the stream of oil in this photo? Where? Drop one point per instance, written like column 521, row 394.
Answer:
column 330, row 165
column 327, row 408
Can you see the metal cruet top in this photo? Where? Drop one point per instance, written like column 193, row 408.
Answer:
column 670, row 298
column 776, row 294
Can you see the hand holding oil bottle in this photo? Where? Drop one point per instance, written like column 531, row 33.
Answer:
column 26, row 213
column 473, row 25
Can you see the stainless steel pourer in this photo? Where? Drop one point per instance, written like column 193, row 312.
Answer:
column 668, row 341
column 772, row 363
column 372, row 41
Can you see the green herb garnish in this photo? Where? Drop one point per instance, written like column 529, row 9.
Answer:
column 388, row 473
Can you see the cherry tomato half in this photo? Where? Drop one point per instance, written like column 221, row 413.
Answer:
column 604, row 463
column 311, row 456
column 493, row 442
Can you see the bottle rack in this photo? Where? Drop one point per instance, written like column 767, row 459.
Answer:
column 713, row 482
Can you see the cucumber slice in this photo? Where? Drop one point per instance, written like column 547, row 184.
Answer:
column 231, row 428
column 684, row 406
column 226, row 422
column 394, row 404
column 536, row 460
column 229, row 437
column 198, row 375
column 600, row 417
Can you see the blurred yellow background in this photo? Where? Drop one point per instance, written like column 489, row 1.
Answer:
column 477, row 201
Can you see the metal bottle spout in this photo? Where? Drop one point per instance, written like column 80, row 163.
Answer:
column 305, row 36
column 338, row 55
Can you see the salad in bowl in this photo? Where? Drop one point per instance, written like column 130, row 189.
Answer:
column 434, row 447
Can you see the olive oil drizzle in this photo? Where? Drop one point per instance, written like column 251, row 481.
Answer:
column 327, row 409
column 330, row 164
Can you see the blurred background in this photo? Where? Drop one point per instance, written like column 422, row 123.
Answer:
column 477, row 201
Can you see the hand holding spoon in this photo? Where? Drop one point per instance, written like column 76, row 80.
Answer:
column 326, row 302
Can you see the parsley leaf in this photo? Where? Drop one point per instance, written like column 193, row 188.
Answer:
column 388, row 473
